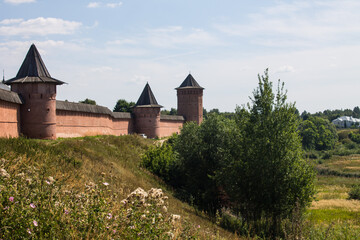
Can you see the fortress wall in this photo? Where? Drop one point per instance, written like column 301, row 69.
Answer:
column 122, row 126
column 78, row 124
column 78, row 119
column 9, row 119
column 170, row 125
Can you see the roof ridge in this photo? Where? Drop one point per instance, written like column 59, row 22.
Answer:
column 190, row 82
column 33, row 70
column 147, row 97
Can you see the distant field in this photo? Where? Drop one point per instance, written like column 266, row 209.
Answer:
column 331, row 204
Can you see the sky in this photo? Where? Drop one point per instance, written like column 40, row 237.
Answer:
column 107, row 50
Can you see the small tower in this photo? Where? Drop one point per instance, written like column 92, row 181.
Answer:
column 190, row 102
column 38, row 91
column 147, row 114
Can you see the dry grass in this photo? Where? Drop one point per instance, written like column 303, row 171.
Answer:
column 112, row 159
column 350, row 205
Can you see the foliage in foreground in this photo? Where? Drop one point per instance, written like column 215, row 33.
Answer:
column 35, row 205
column 269, row 179
column 252, row 164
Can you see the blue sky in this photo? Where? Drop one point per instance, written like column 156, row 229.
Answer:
column 108, row 50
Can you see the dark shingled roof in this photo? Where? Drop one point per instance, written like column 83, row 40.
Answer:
column 172, row 117
column 122, row 115
column 9, row 96
column 147, row 98
column 33, row 70
column 190, row 82
column 88, row 108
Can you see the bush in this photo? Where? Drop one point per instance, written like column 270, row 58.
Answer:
column 355, row 192
column 158, row 160
column 355, row 137
column 327, row 155
column 343, row 135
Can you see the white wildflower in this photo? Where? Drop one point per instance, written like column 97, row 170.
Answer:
column 175, row 218
column 4, row 173
column 164, row 208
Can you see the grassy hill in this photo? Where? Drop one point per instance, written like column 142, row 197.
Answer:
column 112, row 163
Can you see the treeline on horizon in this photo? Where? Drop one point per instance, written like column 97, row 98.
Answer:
column 327, row 114
column 123, row 105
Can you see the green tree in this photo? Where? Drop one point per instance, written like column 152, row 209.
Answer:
column 318, row 133
column 88, row 101
column 268, row 178
column 201, row 150
column 172, row 111
column 356, row 112
column 123, row 106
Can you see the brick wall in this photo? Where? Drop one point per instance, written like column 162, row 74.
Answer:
column 170, row 125
column 9, row 119
column 78, row 124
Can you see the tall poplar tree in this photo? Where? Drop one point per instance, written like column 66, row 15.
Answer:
column 268, row 178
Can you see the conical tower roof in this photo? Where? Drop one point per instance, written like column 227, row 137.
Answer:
column 147, row 98
column 189, row 82
column 33, row 70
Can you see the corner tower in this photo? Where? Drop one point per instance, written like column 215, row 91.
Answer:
column 190, row 100
column 38, row 91
column 147, row 114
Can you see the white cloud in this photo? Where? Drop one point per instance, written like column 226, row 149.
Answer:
column 11, row 21
column 175, row 35
column 100, row 4
column 101, row 69
column 94, row 5
column 300, row 23
column 122, row 42
column 169, row 29
column 285, row 69
column 37, row 26
column 19, row 1
column 114, row 5
column 139, row 79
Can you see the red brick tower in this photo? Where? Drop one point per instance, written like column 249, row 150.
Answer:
column 147, row 114
column 190, row 102
column 38, row 91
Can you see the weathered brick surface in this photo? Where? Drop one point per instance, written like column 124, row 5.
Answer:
column 9, row 119
column 77, row 124
column 190, row 104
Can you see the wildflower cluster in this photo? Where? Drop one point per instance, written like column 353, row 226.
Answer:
column 36, row 205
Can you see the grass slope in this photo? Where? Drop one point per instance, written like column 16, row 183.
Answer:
column 116, row 160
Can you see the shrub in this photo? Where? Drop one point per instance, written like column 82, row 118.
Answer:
column 158, row 160
column 327, row 155
column 355, row 192
column 355, row 137
column 343, row 135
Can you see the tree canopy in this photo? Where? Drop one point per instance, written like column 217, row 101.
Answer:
column 252, row 162
column 88, row 101
column 123, row 106
column 318, row 133
column 268, row 178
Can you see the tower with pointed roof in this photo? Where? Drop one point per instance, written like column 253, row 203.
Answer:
column 38, row 91
column 190, row 100
column 147, row 114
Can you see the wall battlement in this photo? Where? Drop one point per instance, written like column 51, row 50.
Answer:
column 31, row 109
